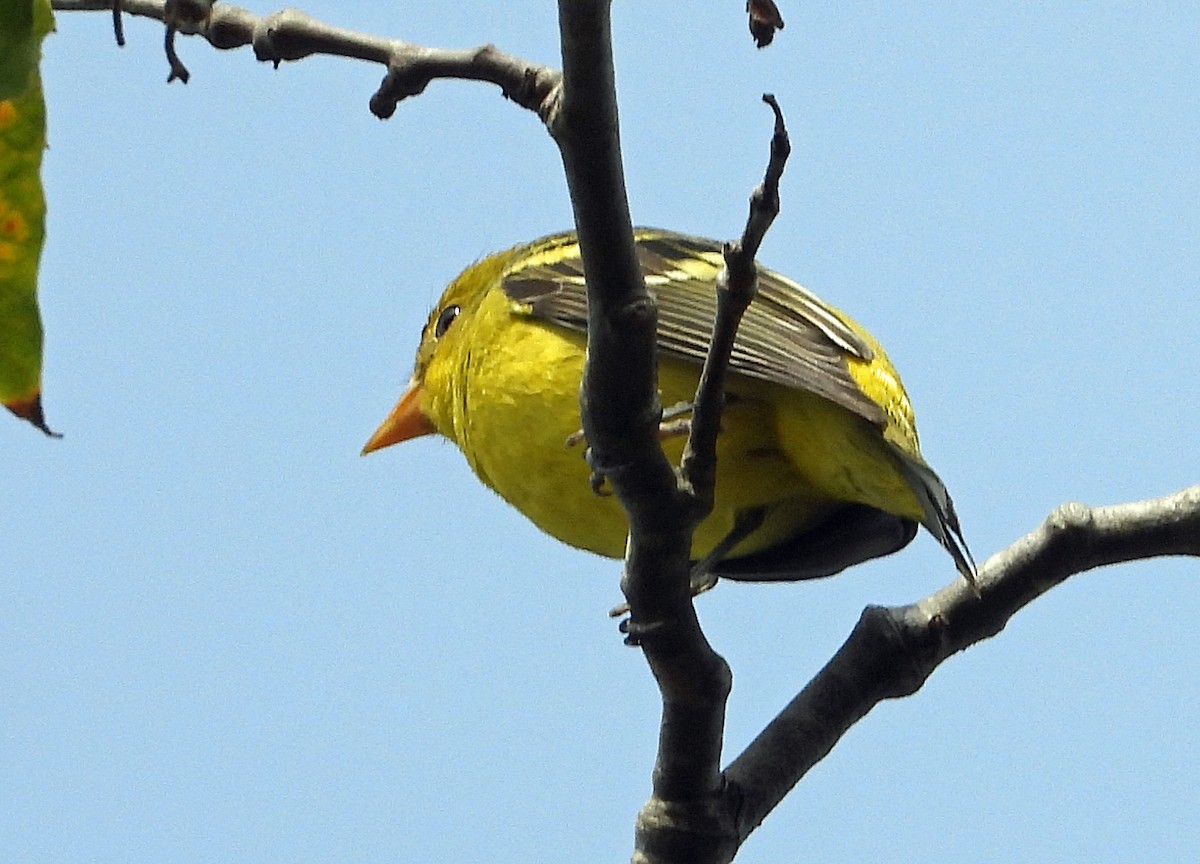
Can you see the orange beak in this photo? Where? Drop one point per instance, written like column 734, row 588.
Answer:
column 406, row 421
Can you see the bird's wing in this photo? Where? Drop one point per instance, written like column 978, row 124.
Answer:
column 788, row 335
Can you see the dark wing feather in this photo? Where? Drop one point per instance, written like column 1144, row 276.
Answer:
column 788, row 336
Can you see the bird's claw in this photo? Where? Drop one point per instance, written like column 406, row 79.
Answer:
column 673, row 425
column 635, row 632
column 596, row 480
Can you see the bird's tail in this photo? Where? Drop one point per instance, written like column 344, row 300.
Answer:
column 940, row 517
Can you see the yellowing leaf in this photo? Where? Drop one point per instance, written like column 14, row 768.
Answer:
column 22, row 214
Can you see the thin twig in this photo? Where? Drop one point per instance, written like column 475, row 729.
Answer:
column 736, row 288
column 178, row 70
column 118, row 24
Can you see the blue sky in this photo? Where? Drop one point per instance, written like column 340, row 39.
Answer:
column 227, row 638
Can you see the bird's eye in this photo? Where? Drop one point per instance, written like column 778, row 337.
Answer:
column 445, row 319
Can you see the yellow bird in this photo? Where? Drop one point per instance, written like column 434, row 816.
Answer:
column 818, row 465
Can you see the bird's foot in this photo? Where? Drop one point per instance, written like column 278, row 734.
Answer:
column 701, row 580
column 673, row 425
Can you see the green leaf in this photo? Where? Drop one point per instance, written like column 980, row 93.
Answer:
column 22, row 217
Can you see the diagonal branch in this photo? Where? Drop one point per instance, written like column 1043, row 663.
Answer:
column 892, row 651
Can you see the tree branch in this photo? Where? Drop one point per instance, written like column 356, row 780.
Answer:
column 892, row 651
column 688, row 818
column 621, row 415
column 736, row 288
column 293, row 35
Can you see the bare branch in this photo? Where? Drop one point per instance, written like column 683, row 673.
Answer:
column 736, row 287
column 293, row 35
column 690, row 818
column 621, row 415
column 619, row 402
column 893, row 651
